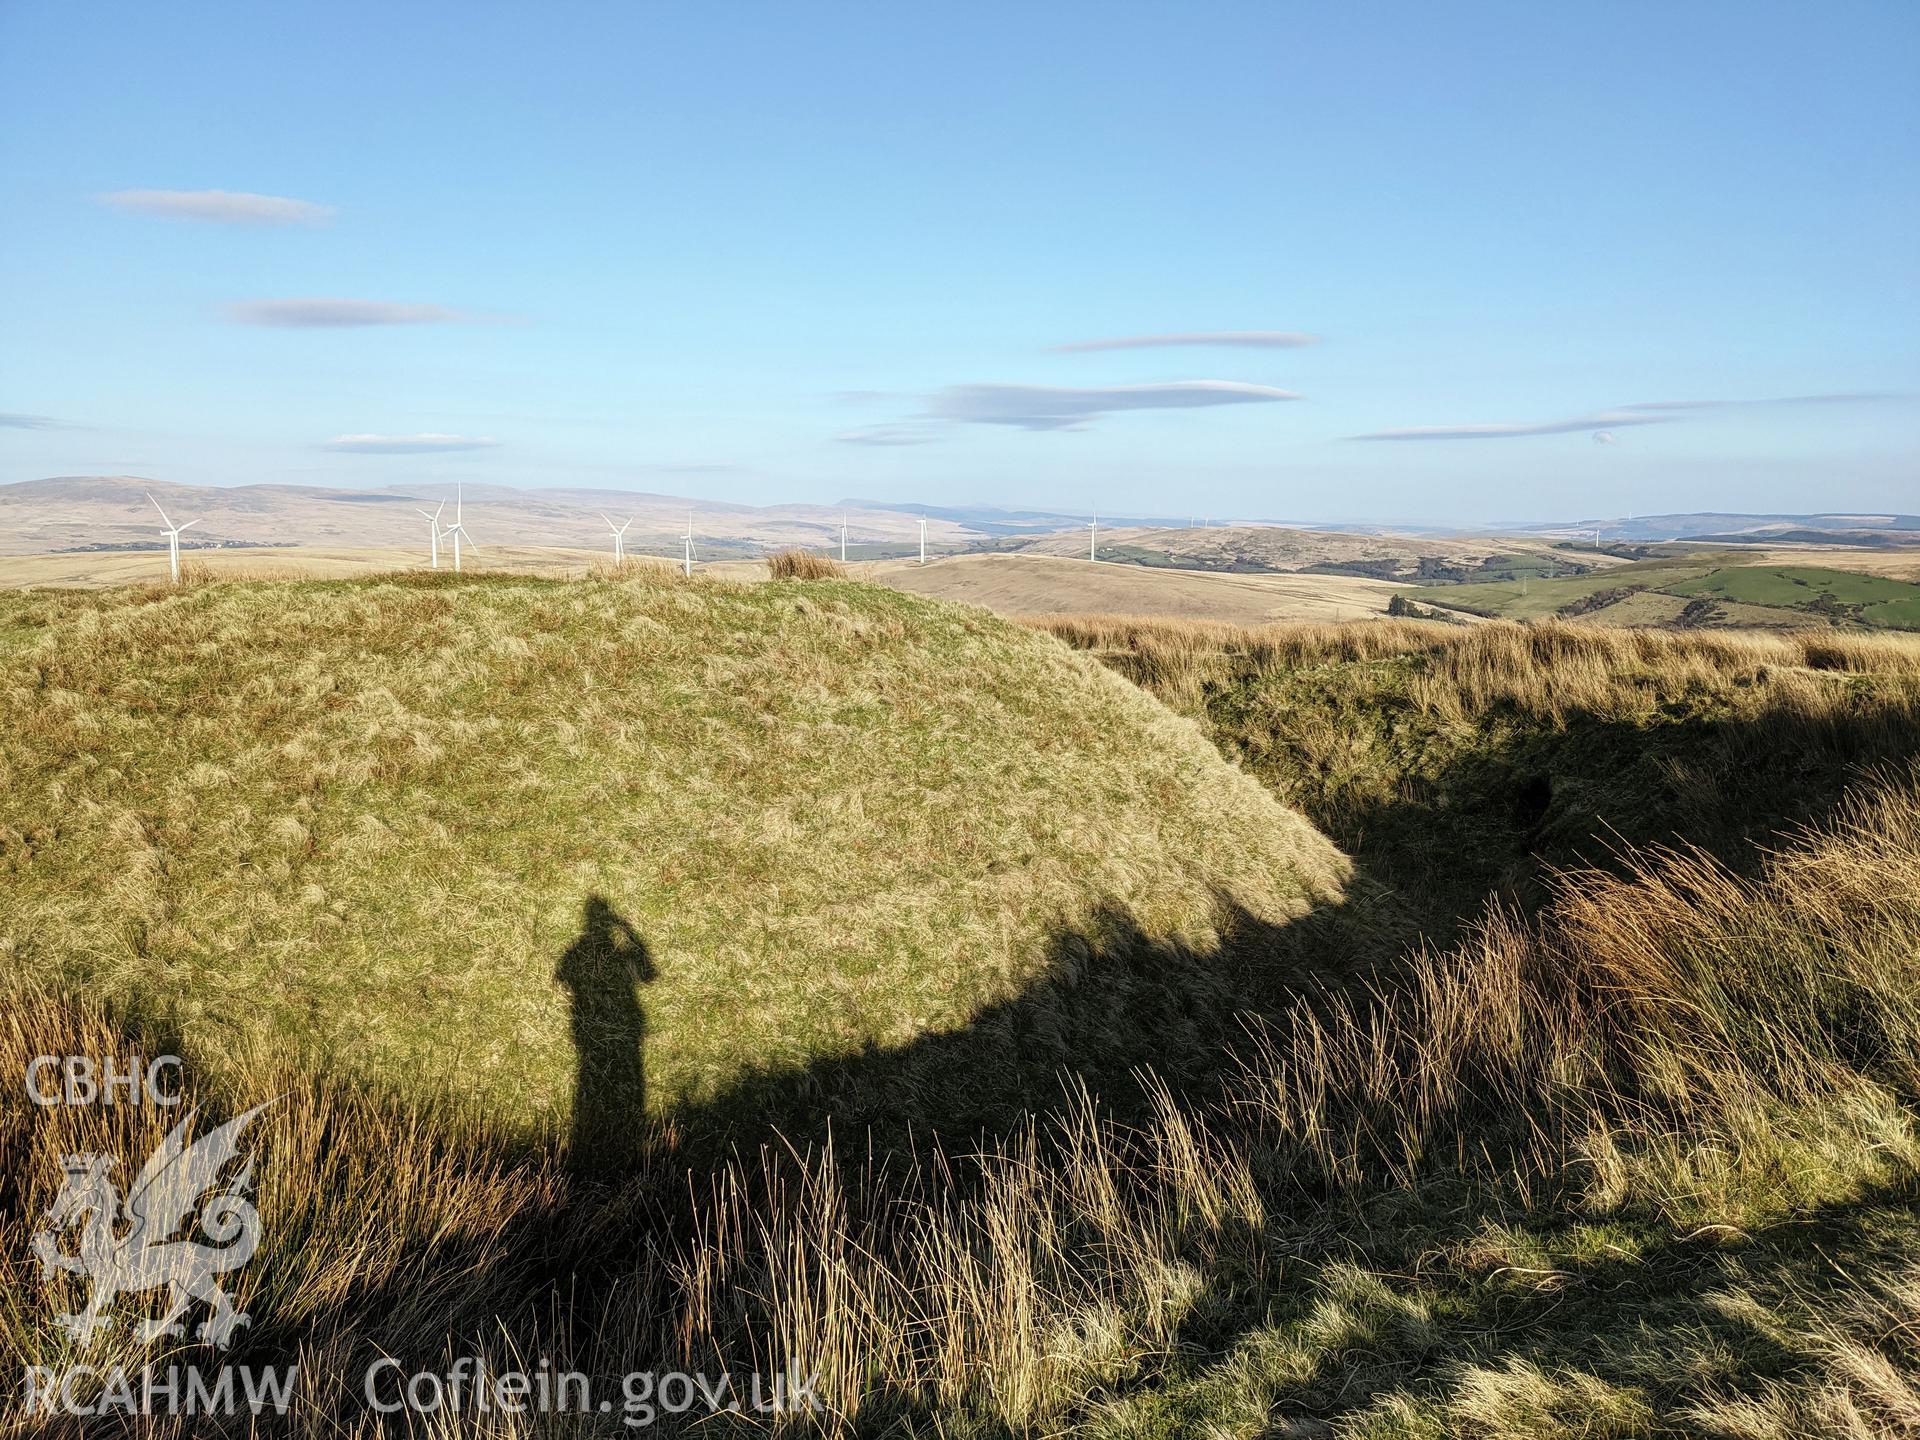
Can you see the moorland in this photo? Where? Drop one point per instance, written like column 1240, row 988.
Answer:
column 1100, row 1025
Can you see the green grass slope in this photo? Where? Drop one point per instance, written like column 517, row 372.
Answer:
column 1841, row 594
column 1533, row 599
column 1709, row 592
column 508, row 840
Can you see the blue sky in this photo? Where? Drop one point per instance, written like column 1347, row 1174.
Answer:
column 796, row 252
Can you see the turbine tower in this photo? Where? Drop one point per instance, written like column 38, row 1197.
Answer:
column 843, row 537
column 173, row 539
column 687, row 561
column 1093, row 537
column 619, row 533
column 458, row 530
column 923, row 539
column 433, row 531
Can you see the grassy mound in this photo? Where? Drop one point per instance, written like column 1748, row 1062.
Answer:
column 623, row 847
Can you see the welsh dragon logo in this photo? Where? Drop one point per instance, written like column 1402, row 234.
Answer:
column 137, row 1244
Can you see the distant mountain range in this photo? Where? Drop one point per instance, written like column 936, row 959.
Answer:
column 111, row 512
column 1718, row 526
column 998, row 521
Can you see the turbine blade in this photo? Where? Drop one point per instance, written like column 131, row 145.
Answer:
column 156, row 505
column 188, row 526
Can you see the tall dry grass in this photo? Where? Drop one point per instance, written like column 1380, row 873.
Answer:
column 804, row 565
column 650, row 568
column 1677, row 1042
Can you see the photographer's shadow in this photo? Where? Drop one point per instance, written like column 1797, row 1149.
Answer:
column 603, row 970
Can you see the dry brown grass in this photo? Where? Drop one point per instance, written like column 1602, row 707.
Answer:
column 1035, row 585
column 1678, row 1043
column 804, row 565
column 635, row 567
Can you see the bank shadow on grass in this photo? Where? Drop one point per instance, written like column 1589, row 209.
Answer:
column 580, row 1229
column 1673, row 1319
column 1108, row 1003
column 1108, row 999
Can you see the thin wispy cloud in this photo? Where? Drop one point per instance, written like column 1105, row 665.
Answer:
column 339, row 314
column 219, row 207
column 905, row 433
column 1647, row 412
column 427, row 444
column 1060, row 407
column 1249, row 339
column 1602, row 420
column 1842, row 397
column 28, row 422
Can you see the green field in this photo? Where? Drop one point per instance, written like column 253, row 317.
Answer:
column 1713, row 592
column 1871, row 599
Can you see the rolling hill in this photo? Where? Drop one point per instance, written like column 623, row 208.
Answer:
column 1285, row 550
column 111, row 512
column 1007, row 584
column 1040, row 584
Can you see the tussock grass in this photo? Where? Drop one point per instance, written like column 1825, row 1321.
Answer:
column 804, row 565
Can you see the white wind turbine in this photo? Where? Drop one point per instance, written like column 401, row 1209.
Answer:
column 687, row 540
column 173, row 539
column 458, row 530
column 1093, row 537
column 619, row 537
column 843, row 537
column 923, row 539
column 433, row 530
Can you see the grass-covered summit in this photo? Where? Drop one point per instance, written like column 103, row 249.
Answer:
column 505, row 838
